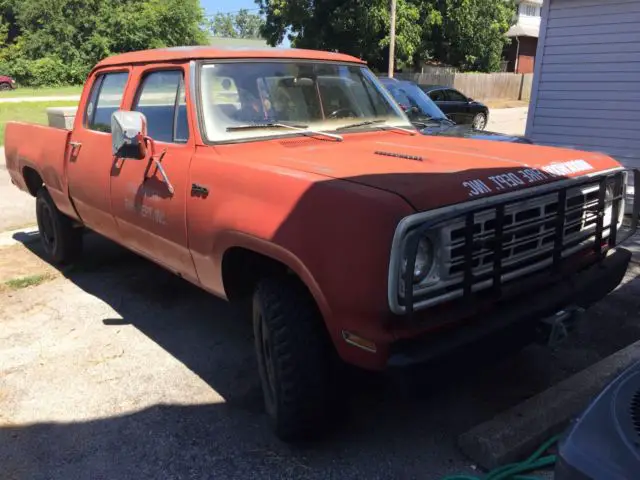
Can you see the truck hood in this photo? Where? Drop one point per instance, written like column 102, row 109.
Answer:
column 429, row 172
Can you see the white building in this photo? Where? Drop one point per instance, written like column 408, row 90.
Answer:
column 524, row 34
column 586, row 87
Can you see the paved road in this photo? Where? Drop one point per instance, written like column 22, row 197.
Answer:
column 511, row 121
column 54, row 98
column 17, row 208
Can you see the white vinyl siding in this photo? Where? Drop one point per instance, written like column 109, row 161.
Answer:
column 587, row 79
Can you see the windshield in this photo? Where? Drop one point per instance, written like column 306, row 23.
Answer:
column 409, row 95
column 242, row 100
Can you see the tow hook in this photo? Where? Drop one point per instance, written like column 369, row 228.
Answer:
column 554, row 329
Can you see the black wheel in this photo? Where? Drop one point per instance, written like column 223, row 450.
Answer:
column 480, row 121
column 60, row 240
column 294, row 359
column 5, row 86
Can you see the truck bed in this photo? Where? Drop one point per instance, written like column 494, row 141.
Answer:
column 38, row 149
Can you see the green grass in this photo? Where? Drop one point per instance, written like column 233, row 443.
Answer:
column 42, row 91
column 34, row 112
column 30, row 281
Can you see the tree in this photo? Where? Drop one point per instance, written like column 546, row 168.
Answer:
column 59, row 41
column 465, row 33
column 472, row 36
column 241, row 25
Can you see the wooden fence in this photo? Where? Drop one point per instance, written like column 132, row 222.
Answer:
column 480, row 86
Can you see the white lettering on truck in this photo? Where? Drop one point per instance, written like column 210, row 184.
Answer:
column 528, row 176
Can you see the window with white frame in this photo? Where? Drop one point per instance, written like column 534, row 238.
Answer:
column 529, row 10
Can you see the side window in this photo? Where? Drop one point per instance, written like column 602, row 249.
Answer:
column 455, row 96
column 161, row 98
column 105, row 98
column 437, row 95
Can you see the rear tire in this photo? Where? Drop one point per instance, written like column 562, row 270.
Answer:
column 294, row 358
column 60, row 240
column 5, row 86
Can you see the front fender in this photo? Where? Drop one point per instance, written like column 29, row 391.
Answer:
column 235, row 239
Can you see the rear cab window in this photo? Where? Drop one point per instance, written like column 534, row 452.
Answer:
column 105, row 98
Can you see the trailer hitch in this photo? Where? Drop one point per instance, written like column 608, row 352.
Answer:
column 553, row 330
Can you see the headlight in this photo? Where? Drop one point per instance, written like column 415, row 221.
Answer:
column 424, row 260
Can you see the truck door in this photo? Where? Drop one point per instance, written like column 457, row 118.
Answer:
column 90, row 160
column 149, row 201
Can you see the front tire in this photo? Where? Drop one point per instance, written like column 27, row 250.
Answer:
column 61, row 242
column 5, row 86
column 479, row 121
column 293, row 353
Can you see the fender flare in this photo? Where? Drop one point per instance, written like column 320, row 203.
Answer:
column 236, row 239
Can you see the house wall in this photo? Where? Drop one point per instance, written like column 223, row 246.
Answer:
column 586, row 88
column 526, row 53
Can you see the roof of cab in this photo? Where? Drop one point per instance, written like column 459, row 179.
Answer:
column 189, row 53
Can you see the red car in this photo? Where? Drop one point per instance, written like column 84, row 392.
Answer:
column 7, row 83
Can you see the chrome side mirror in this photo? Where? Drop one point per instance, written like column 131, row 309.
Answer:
column 128, row 133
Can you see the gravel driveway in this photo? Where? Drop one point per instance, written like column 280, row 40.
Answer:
column 120, row 370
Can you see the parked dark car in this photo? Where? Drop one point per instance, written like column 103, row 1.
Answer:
column 457, row 106
column 7, row 83
column 430, row 120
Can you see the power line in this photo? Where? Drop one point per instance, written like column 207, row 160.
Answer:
column 236, row 11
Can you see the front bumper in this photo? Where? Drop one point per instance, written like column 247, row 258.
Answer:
column 520, row 313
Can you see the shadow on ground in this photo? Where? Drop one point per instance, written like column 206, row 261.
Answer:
column 386, row 432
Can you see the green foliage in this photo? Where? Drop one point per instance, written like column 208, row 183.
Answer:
column 55, row 42
column 468, row 34
column 473, row 33
column 240, row 25
column 32, row 112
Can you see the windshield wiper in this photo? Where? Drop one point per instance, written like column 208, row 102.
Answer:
column 439, row 120
column 373, row 122
column 299, row 128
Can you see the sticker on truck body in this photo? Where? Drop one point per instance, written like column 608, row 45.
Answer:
column 524, row 177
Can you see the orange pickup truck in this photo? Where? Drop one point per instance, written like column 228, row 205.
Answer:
column 291, row 179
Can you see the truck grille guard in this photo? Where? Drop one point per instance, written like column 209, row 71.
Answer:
column 484, row 244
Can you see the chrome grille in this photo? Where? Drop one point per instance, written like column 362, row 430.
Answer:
column 485, row 247
column 529, row 228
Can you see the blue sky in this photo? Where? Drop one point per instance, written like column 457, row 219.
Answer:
column 224, row 6
column 212, row 7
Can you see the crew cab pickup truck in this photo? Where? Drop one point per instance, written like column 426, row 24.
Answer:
column 292, row 180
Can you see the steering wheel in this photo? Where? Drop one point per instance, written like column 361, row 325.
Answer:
column 342, row 113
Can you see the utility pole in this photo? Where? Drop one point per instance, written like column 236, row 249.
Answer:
column 392, row 39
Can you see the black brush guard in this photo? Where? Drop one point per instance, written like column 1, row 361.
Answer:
column 469, row 278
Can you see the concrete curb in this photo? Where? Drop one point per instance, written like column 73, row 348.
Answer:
column 21, row 236
column 516, row 433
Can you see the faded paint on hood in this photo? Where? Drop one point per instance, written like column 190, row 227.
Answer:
column 448, row 170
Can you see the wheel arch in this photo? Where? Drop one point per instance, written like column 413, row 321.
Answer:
column 259, row 257
column 32, row 180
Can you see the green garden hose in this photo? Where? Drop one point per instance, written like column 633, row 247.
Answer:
column 513, row 471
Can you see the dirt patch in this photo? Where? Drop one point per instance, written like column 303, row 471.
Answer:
column 505, row 103
column 20, row 267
